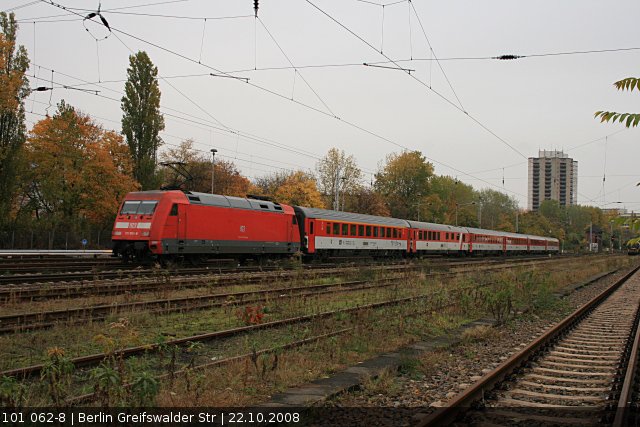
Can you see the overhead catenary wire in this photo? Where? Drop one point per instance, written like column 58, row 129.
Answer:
column 244, row 135
column 267, row 90
column 295, row 69
column 424, row 32
column 203, row 151
column 444, row 98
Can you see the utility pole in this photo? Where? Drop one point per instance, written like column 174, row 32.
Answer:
column 213, row 166
column 591, row 237
column 336, row 189
column 611, row 236
column 516, row 220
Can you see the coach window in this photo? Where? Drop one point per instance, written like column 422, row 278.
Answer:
column 336, row 228
column 388, row 232
column 368, row 231
column 174, row 210
column 328, row 225
column 345, row 229
column 375, row 231
column 361, row 230
column 353, row 230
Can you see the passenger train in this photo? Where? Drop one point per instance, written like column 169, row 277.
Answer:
column 188, row 225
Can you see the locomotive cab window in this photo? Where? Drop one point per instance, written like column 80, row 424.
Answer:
column 129, row 208
column 174, row 210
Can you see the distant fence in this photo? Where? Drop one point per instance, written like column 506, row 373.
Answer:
column 55, row 239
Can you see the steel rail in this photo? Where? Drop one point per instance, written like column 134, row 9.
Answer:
column 28, row 321
column 94, row 359
column 119, row 272
column 221, row 362
column 41, row 291
column 465, row 399
column 626, row 393
column 20, row 322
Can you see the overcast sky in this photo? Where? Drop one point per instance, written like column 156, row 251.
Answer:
column 472, row 116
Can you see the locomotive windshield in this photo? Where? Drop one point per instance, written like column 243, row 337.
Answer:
column 136, row 207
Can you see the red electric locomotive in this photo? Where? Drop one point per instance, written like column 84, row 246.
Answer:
column 188, row 225
column 176, row 224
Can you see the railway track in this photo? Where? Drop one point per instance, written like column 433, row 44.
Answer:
column 572, row 375
column 147, row 349
column 41, row 319
column 106, row 269
column 193, row 278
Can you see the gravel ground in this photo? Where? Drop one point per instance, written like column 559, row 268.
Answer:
column 438, row 376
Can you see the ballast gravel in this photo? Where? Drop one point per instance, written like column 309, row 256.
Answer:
column 445, row 373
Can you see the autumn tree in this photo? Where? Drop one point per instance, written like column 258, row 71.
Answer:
column 498, row 210
column 365, row 200
column 338, row 176
column 448, row 197
column 227, row 178
column 14, row 88
column 142, row 120
column 292, row 188
column 403, row 180
column 77, row 171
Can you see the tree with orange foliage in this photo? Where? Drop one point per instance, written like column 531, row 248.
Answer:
column 14, row 89
column 227, row 178
column 293, row 188
column 366, row 201
column 77, row 171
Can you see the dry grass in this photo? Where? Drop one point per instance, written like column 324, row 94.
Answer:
column 480, row 334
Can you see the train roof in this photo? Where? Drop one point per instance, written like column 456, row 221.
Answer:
column 207, row 199
column 350, row 217
column 437, row 227
column 490, row 232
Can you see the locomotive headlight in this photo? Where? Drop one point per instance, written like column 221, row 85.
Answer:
column 117, row 233
column 146, row 233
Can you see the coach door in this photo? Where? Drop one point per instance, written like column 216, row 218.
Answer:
column 171, row 224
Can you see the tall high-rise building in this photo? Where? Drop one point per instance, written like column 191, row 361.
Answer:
column 552, row 176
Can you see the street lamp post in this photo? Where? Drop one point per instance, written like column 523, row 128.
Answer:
column 459, row 205
column 213, row 166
